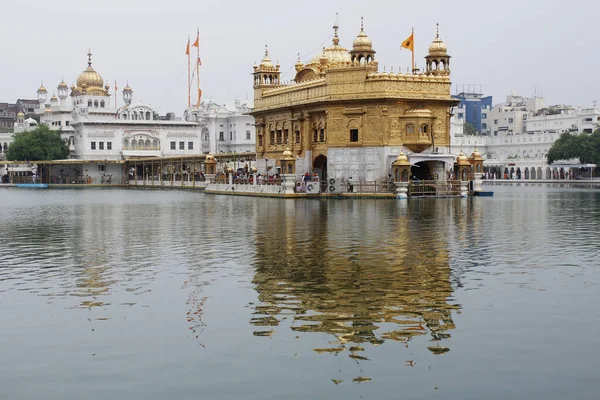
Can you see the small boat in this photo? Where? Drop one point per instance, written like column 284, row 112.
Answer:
column 32, row 185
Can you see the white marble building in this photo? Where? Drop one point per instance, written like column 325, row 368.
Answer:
column 225, row 128
column 96, row 130
column 522, row 132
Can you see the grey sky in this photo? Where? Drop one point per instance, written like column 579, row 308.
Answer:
column 501, row 45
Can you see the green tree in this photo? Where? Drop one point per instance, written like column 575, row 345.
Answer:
column 583, row 147
column 41, row 144
column 469, row 129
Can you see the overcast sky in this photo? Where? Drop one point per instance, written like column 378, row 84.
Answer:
column 501, row 45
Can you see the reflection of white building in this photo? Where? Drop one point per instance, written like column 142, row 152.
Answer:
column 225, row 128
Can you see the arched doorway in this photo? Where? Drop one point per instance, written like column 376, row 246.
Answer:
column 420, row 171
column 320, row 167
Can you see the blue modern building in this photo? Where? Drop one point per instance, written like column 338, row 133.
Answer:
column 473, row 108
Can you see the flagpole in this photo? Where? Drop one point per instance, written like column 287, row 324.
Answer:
column 116, row 93
column 189, row 78
column 198, row 64
column 413, row 50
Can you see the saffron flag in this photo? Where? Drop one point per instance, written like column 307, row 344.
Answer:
column 116, row 88
column 187, row 48
column 408, row 43
column 199, row 62
column 197, row 42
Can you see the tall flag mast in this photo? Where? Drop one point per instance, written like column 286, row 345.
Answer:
column 187, row 53
column 410, row 45
column 116, row 92
column 198, row 63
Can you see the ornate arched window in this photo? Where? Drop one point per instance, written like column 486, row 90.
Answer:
column 96, row 103
column 410, row 129
column 424, row 129
column 89, row 103
column 102, row 104
column 148, row 115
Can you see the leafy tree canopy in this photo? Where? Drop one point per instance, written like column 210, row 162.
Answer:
column 469, row 129
column 41, row 144
column 584, row 147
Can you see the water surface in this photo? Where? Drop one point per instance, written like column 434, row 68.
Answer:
column 114, row 293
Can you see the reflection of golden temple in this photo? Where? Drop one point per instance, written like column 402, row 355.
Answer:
column 363, row 285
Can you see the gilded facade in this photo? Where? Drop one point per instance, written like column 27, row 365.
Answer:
column 342, row 117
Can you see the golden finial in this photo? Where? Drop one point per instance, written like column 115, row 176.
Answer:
column 362, row 23
column 437, row 25
column 266, row 51
column 336, row 39
column 89, row 54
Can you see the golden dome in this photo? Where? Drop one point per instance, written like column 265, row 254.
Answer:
column 42, row 89
column 287, row 153
column 90, row 78
column 53, row 98
column 266, row 61
column 476, row 155
column 438, row 47
column 362, row 41
column 462, row 159
column 89, row 82
column 20, row 114
column 402, row 159
column 62, row 85
column 127, row 88
column 210, row 158
column 298, row 64
column 335, row 54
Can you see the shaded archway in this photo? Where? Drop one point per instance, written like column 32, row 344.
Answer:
column 420, row 171
column 320, row 167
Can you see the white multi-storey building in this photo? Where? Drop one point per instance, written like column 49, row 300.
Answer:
column 522, row 132
column 96, row 130
column 510, row 117
column 225, row 128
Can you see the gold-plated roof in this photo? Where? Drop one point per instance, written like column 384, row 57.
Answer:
column 362, row 41
column 63, row 85
column 89, row 81
column 127, row 88
column 20, row 114
column 266, row 61
column 336, row 54
column 402, row 159
column 476, row 155
column 42, row 89
column 438, row 47
column 287, row 153
column 299, row 65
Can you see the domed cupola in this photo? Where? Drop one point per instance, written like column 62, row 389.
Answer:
column 438, row 60
column 89, row 81
column 362, row 47
column 266, row 74
column 336, row 55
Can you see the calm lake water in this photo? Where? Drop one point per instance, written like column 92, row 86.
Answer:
column 131, row 294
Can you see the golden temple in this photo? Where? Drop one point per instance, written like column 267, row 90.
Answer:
column 342, row 116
